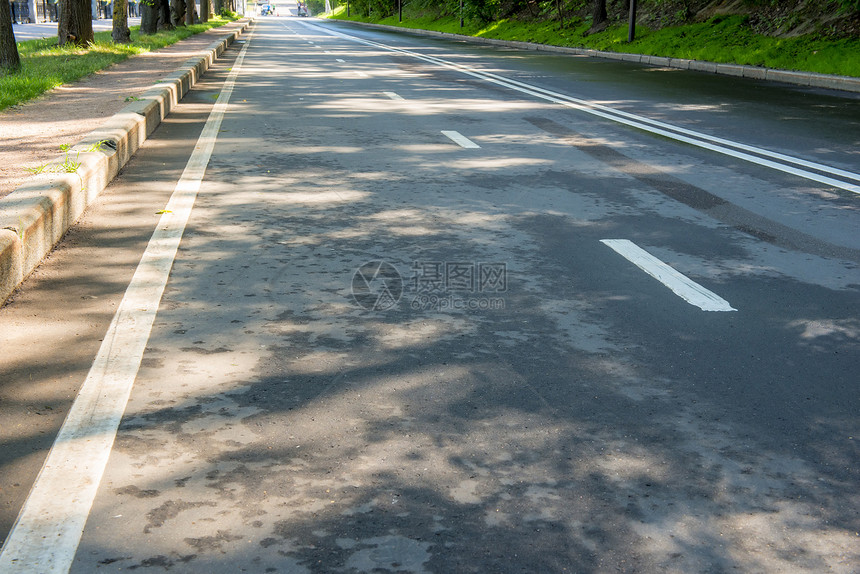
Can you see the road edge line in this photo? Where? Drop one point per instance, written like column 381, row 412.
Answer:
column 47, row 532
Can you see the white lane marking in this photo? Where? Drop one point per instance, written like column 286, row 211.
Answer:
column 362, row 74
column 46, row 535
column 461, row 140
column 723, row 146
column 341, row 61
column 680, row 284
column 393, row 95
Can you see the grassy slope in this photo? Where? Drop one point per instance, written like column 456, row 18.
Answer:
column 722, row 39
column 44, row 65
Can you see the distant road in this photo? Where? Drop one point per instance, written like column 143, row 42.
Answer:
column 48, row 29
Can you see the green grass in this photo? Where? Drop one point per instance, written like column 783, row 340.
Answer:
column 44, row 65
column 723, row 39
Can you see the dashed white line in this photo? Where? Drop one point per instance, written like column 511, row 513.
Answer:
column 362, row 74
column 461, row 140
column 46, row 535
column 339, row 60
column 680, row 284
column 393, row 95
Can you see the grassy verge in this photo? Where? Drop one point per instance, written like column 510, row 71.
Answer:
column 44, row 65
column 725, row 39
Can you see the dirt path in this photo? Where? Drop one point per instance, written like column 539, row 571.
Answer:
column 32, row 133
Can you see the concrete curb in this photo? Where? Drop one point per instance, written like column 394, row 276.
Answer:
column 809, row 79
column 35, row 216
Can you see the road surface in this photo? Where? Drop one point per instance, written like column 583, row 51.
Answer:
column 447, row 308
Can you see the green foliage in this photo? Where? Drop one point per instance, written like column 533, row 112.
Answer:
column 482, row 11
column 45, row 66
column 725, row 39
column 318, row 6
column 68, row 165
column 376, row 8
column 845, row 5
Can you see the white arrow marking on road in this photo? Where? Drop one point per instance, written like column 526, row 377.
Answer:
column 393, row 96
column 341, row 61
column 46, row 536
column 461, row 140
column 680, row 284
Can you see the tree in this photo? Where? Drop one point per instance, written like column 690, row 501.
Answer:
column 190, row 13
column 177, row 12
column 76, row 23
column 9, row 59
column 155, row 16
column 599, row 19
column 148, row 17
column 165, row 22
column 204, row 10
column 120, row 34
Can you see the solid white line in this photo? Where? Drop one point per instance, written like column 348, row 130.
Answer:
column 749, row 153
column 393, row 96
column 680, row 284
column 46, row 536
column 461, row 140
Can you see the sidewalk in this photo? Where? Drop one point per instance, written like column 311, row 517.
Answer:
column 31, row 134
column 109, row 114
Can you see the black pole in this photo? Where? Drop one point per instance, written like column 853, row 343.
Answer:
column 400, row 10
column 347, row 8
column 461, row 13
column 631, row 28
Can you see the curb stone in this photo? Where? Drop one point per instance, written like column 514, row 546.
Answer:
column 35, row 216
column 808, row 79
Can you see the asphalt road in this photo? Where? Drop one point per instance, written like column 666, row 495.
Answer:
column 446, row 308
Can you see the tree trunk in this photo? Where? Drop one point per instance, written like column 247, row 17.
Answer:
column 76, row 23
column 164, row 22
column 598, row 17
column 190, row 13
column 204, row 10
column 148, row 17
column 177, row 12
column 120, row 34
column 9, row 59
